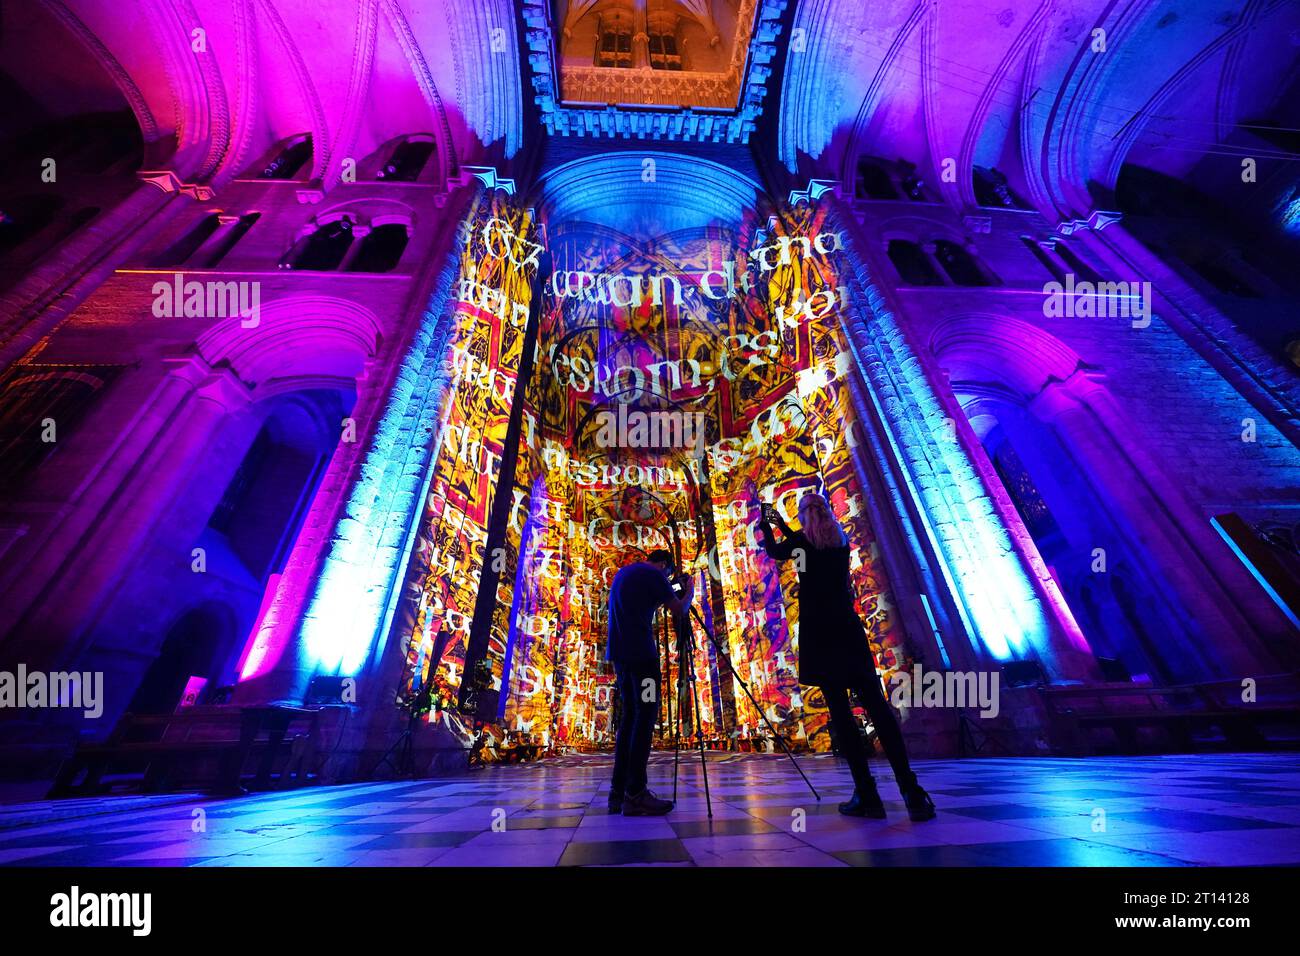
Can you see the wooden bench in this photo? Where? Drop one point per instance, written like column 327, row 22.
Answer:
column 161, row 746
column 1183, row 718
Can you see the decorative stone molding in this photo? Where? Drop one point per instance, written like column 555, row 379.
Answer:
column 705, row 107
column 1097, row 221
column 169, row 182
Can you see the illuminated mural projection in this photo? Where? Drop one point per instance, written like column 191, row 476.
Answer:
column 736, row 332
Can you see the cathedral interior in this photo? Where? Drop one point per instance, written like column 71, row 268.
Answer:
column 349, row 348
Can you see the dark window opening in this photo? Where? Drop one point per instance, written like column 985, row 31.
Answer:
column 874, row 182
column 406, row 162
column 959, row 264
column 324, row 249
column 913, row 265
column 615, row 48
column 25, row 217
column 663, row 52
column 381, row 249
column 289, row 161
column 914, row 188
column 993, row 190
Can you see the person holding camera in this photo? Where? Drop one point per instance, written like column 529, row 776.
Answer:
column 835, row 656
column 636, row 592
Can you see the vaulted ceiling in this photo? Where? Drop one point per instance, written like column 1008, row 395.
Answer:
column 225, row 80
column 1058, row 94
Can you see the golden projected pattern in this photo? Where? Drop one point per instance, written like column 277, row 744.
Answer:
column 743, row 328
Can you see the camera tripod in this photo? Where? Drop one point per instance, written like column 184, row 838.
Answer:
column 686, row 639
column 685, row 682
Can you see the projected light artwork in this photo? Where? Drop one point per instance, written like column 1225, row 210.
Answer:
column 738, row 331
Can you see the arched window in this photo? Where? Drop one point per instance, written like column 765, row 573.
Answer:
column 381, row 249
column 873, row 181
column 913, row 265
column 406, row 161
column 287, row 163
column 615, row 44
column 323, row 250
column 664, row 53
column 960, row 265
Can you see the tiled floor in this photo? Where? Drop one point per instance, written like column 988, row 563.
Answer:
column 1157, row 811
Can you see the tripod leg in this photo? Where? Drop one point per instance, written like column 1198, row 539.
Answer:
column 677, row 750
column 699, row 735
column 745, row 687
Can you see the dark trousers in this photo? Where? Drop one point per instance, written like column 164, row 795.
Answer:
column 848, row 738
column 638, row 691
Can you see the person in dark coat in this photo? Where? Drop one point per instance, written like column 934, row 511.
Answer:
column 835, row 656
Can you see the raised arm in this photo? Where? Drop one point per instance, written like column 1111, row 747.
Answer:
column 776, row 550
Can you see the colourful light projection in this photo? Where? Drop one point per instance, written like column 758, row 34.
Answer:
column 740, row 328
column 497, row 262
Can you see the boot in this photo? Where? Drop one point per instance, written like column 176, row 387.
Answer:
column 865, row 802
column 645, row 804
column 919, row 805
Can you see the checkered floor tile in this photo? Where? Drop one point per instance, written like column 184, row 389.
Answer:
column 1239, row 809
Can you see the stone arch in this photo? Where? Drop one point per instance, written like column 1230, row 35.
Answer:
column 300, row 337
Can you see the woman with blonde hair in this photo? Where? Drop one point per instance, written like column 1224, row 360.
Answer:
column 835, row 656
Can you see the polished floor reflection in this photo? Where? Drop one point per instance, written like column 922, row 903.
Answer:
column 1236, row 809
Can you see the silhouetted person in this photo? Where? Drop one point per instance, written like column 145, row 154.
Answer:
column 637, row 591
column 835, row 656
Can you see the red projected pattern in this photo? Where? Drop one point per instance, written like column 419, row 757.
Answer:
column 748, row 333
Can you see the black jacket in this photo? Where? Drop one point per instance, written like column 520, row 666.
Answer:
column 833, row 648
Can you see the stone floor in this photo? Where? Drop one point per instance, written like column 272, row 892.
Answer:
column 1234, row 809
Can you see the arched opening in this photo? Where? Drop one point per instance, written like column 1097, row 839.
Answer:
column 1072, row 528
column 999, row 370
column 322, row 250
column 406, row 161
column 260, row 512
column 381, row 249
column 913, row 265
column 874, row 181
column 962, row 267
column 287, row 162
column 192, row 660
